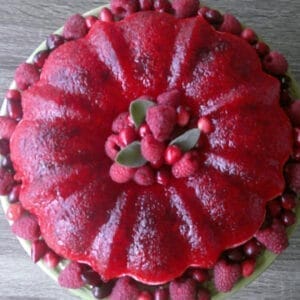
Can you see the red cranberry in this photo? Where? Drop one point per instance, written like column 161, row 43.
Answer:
column 235, row 255
column 14, row 95
column 13, row 196
column 288, row 218
column 252, row 248
column 145, row 295
column 213, row 17
column 146, row 4
column 163, row 176
column 199, row 275
column 231, row 24
column 172, row 154
column 249, row 35
column 144, row 176
column 14, row 110
column 4, row 147
column 248, row 267
column 91, row 277
column 185, row 8
column 274, row 208
column 262, row 49
column 275, row 63
column 183, row 116
column 162, row 6
column 51, row 259
column 40, row 58
column 100, row 292
column 106, row 15
column 6, row 163
column 90, row 21
column 54, row 40
column 161, row 294
column 14, row 212
column 157, row 164
column 144, row 130
column 202, row 11
column 205, row 125
column 127, row 136
column 288, row 201
column 38, row 250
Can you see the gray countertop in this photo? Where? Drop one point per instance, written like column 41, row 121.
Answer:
column 25, row 23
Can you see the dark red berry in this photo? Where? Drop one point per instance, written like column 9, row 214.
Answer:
column 199, row 275
column 146, row 4
column 54, row 40
column 163, row 176
column 26, row 227
column 144, row 176
column 183, row 116
column 262, row 49
column 112, row 146
column 172, row 154
column 6, row 181
column 161, row 294
column 120, row 122
column 4, row 147
column 127, row 136
column 26, row 75
column 274, row 208
column 231, row 24
column 6, row 163
column 70, row 276
column 170, row 98
column 288, row 218
column 40, row 58
column 13, row 196
column 275, row 63
column 235, row 255
column 91, row 277
column 185, row 8
column 14, row 212
column 288, row 201
column 285, row 98
column 103, row 291
column 51, row 259
column 144, row 130
column 162, row 6
column 14, row 110
column 213, row 17
column 124, row 8
column 145, row 295
column 7, row 127
column 75, row 27
column 14, row 95
column 252, row 248
column 38, row 250
column 249, row 35
column 90, row 21
column 106, row 15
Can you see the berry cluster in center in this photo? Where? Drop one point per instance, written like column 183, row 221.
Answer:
column 156, row 138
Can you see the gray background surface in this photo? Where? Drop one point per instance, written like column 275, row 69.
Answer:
column 25, row 23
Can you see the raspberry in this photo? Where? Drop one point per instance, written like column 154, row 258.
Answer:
column 182, row 289
column 161, row 120
column 275, row 63
column 112, row 146
column 293, row 176
column 186, row 166
column 170, row 98
column 121, row 122
column 124, row 8
column 144, row 176
column 53, row 41
column 231, row 24
column 75, row 28
column 248, row 267
column 14, row 212
column 6, row 181
column 70, row 277
column 185, row 8
column 274, row 238
column 27, row 228
column 203, row 294
column 26, row 75
column 125, row 289
column 51, row 259
column 7, row 127
column 152, row 150
column 226, row 275
column 121, row 174
column 38, row 250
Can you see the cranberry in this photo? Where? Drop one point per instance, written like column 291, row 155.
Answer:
column 4, row 147
column 235, row 255
column 249, row 35
column 144, row 130
column 262, row 49
column 274, row 208
column 40, row 58
column 102, row 291
column 161, row 294
column 145, row 295
column 106, row 15
column 14, row 212
column 127, row 136
column 275, row 63
column 38, row 250
column 183, row 116
column 14, row 95
column 252, row 248
column 172, row 154
column 199, row 275
column 14, row 110
column 248, row 267
column 54, row 40
column 13, row 196
column 146, row 4
column 90, row 21
column 51, row 259
column 162, row 6
column 213, row 17
column 163, row 176
column 6, row 163
column 144, row 176
column 202, row 11
column 288, row 201
column 205, row 125
column 91, row 277
column 288, row 218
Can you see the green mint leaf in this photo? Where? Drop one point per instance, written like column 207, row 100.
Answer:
column 187, row 140
column 131, row 156
column 138, row 110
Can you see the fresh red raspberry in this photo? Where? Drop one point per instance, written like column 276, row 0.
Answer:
column 14, row 212
column 226, row 275
column 275, row 63
column 172, row 154
column 106, row 15
column 38, row 250
column 70, row 277
column 124, row 8
column 293, row 176
column 75, row 28
column 203, row 294
column 248, row 267
column 121, row 174
column 183, row 289
column 185, row 8
column 26, row 227
column 146, row 4
column 161, row 120
column 26, row 75
column 6, row 181
column 183, row 116
column 127, row 136
column 170, row 98
column 51, row 259
column 152, row 150
column 7, row 127
column 121, row 122
column 112, row 146
column 274, row 238
column 186, row 166
column 144, row 176
column 125, row 289
column 231, row 24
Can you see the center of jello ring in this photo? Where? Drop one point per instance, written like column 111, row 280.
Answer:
column 156, row 139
